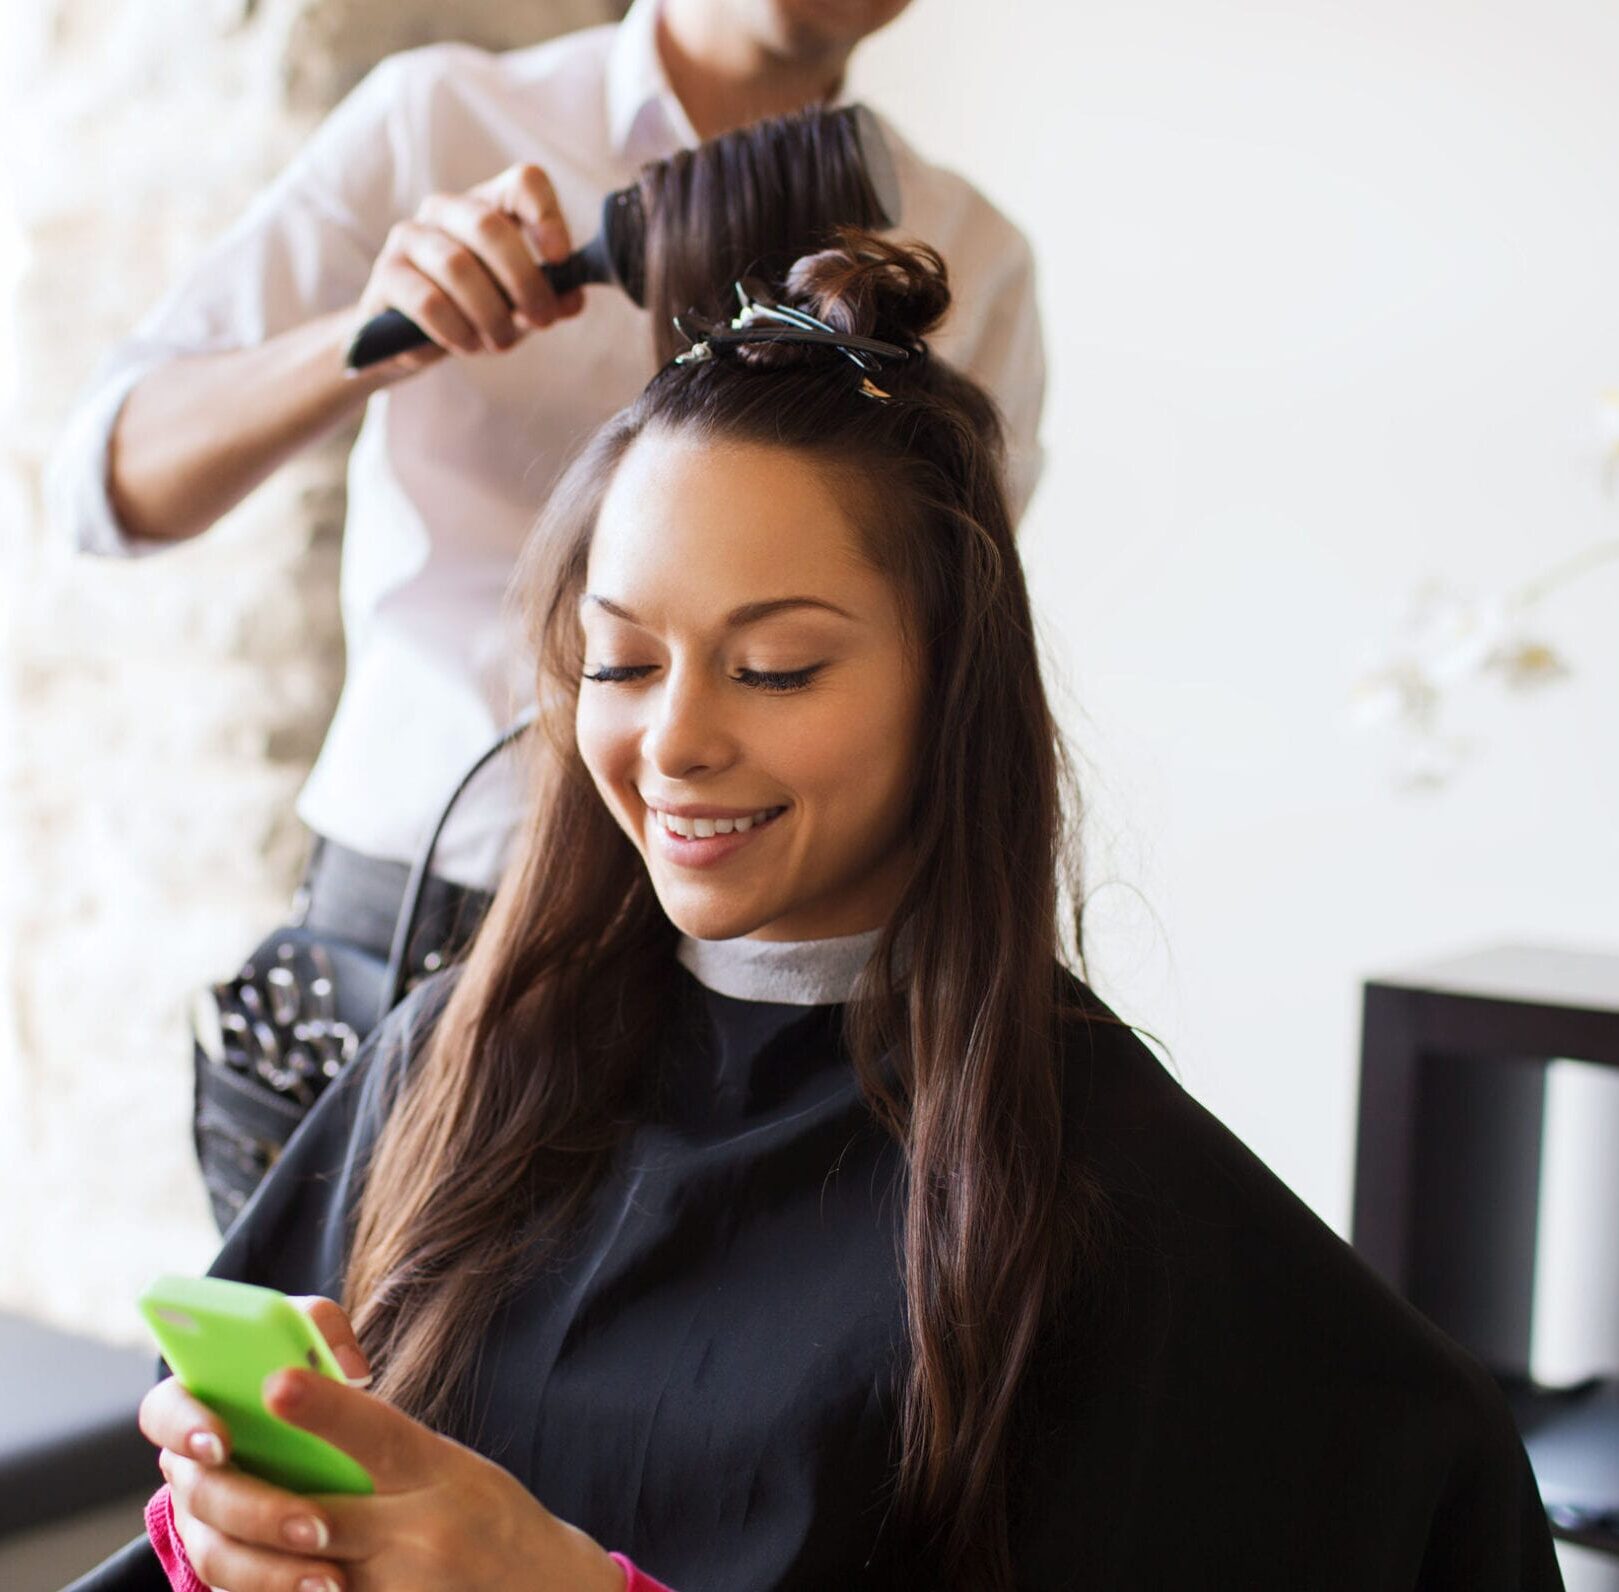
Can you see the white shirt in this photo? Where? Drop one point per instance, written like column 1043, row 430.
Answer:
column 453, row 465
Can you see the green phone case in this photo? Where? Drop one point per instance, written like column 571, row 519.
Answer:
column 222, row 1339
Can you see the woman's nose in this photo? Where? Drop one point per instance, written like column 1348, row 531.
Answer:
column 687, row 734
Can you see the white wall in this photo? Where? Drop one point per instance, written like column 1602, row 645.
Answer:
column 1331, row 295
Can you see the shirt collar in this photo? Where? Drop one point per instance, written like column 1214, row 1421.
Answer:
column 645, row 120
column 786, row 972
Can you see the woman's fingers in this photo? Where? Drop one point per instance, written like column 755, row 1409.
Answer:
column 225, row 1563
column 338, row 1331
column 246, row 1509
column 173, row 1420
column 396, row 1452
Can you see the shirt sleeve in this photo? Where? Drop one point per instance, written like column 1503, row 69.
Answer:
column 183, row 1577
column 303, row 248
column 637, row 1580
column 166, row 1544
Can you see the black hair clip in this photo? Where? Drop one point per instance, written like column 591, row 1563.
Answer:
column 762, row 322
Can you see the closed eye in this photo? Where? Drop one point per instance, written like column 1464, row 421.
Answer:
column 759, row 679
column 778, row 679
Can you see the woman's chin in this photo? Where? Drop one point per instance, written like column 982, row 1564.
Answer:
column 703, row 917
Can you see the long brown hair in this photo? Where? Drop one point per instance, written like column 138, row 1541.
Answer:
column 534, row 1070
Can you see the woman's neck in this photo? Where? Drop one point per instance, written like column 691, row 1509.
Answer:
column 724, row 78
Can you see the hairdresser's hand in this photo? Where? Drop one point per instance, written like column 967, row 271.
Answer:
column 442, row 1517
column 465, row 269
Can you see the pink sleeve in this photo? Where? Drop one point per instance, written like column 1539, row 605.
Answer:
column 171, row 1552
column 636, row 1580
column 166, row 1543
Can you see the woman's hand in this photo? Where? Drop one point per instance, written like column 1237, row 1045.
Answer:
column 195, row 1442
column 441, row 1517
column 465, row 269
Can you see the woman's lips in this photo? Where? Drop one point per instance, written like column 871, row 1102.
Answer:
column 705, row 851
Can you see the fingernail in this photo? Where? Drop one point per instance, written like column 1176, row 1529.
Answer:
column 317, row 1583
column 306, row 1531
column 207, row 1448
column 353, row 1364
column 554, row 240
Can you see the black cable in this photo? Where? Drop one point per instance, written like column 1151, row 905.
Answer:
column 393, row 985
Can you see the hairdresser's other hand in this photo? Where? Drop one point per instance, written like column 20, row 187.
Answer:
column 194, row 1441
column 442, row 1516
column 465, row 268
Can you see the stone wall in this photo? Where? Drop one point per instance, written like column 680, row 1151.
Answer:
column 156, row 718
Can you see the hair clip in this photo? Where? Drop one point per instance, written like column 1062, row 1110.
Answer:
column 759, row 321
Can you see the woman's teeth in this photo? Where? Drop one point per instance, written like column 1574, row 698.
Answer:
column 707, row 828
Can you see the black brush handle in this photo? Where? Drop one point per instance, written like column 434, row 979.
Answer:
column 393, row 332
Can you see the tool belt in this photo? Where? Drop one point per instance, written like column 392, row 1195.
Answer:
column 267, row 1041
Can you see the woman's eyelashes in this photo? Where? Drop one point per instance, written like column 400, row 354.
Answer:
column 780, row 680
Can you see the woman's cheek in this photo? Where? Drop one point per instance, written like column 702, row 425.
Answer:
column 607, row 747
column 857, row 744
column 587, row 738
column 819, row 741
column 880, row 753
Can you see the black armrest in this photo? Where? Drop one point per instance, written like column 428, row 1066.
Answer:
column 68, row 1438
column 134, row 1568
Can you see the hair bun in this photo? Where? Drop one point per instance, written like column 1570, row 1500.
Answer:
column 871, row 286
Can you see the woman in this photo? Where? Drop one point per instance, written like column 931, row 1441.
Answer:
column 763, row 1200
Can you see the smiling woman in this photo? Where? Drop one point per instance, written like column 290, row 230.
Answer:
column 769, row 594
column 767, row 1195
column 759, row 753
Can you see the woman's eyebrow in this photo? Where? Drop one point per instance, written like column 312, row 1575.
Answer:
column 747, row 614
column 752, row 613
column 610, row 607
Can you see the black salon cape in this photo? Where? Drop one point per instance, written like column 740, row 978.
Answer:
column 708, row 1383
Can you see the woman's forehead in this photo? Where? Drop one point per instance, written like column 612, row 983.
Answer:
column 720, row 525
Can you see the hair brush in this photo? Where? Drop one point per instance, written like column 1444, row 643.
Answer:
column 750, row 200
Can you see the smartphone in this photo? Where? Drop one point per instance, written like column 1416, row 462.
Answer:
column 222, row 1339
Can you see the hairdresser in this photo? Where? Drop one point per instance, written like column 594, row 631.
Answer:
column 431, row 188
